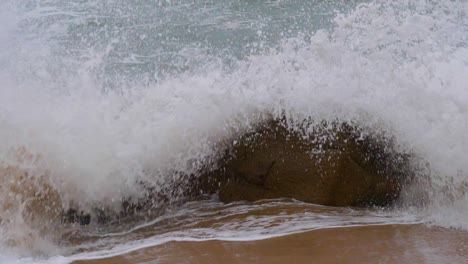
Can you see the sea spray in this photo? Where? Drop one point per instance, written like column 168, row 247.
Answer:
column 104, row 101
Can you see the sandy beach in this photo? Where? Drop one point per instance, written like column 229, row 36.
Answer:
column 362, row 244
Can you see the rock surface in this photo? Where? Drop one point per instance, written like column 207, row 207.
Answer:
column 335, row 165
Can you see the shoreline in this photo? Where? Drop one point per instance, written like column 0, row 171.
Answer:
column 413, row 243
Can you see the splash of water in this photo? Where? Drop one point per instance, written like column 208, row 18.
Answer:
column 78, row 128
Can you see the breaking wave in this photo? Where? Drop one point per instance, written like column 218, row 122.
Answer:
column 101, row 96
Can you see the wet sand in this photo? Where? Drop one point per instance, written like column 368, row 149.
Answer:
column 362, row 244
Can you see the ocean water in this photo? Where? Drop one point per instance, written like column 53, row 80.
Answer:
column 97, row 97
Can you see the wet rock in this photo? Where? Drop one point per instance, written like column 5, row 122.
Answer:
column 335, row 165
column 73, row 216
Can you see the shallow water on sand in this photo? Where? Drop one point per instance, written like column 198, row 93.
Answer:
column 273, row 231
column 358, row 244
column 209, row 231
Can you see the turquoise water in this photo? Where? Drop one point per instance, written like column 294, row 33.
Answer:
column 151, row 40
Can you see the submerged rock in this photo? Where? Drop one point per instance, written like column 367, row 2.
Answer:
column 335, row 165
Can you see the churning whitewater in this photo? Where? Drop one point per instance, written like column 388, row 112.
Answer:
column 97, row 97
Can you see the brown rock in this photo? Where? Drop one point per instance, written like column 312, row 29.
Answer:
column 336, row 165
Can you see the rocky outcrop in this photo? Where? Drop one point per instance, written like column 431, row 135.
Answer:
column 335, row 165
